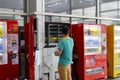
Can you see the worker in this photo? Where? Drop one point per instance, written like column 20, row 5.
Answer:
column 65, row 48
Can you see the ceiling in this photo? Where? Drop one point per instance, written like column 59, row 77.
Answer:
column 12, row 4
column 63, row 5
column 52, row 5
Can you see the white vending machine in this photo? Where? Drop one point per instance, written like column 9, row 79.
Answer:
column 50, row 63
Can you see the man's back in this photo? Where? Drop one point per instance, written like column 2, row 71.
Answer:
column 66, row 45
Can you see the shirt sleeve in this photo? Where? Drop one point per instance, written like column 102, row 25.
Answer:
column 60, row 45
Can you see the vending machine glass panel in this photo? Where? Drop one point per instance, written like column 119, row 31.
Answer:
column 117, row 48
column 3, row 43
column 117, row 39
column 92, row 39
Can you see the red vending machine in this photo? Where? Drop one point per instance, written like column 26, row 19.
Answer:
column 9, row 57
column 89, row 55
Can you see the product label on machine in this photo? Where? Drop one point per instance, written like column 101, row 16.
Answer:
column 91, row 50
column 95, row 71
column 9, row 37
column 90, row 61
column 90, row 42
column 13, row 46
column 91, row 30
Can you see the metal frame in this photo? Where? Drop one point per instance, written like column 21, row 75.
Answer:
column 97, row 11
column 26, row 13
column 59, row 15
column 13, row 13
column 73, row 16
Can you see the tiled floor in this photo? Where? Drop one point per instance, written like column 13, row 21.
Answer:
column 118, row 78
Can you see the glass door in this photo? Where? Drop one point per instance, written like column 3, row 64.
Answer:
column 117, row 47
column 92, row 39
column 3, row 43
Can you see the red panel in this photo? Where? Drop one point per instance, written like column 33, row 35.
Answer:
column 77, row 34
column 104, row 29
column 31, row 39
column 29, row 49
column 13, row 27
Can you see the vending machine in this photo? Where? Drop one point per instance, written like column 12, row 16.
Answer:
column 9, row 50
column 89, row 54
column 113, row 50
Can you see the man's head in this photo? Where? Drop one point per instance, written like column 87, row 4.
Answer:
column 65, row 30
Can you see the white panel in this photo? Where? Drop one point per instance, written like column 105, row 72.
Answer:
column 50, row 62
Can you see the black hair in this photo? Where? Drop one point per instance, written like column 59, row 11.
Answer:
column 65, row 30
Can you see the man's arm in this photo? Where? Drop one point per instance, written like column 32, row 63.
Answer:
column 58, row 53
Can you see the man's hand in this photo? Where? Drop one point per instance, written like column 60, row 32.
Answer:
column 58, row 52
